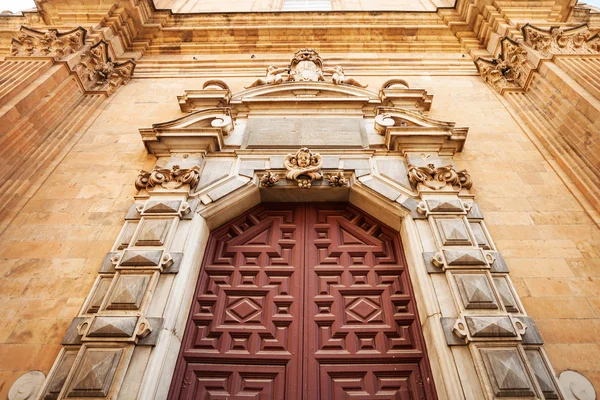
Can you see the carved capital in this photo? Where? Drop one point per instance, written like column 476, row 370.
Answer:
column 303, row 167
column 438, row 178
column 51, row 43
column 168, row 178
column 511, row 69
column 561, row 40
column 99, row 73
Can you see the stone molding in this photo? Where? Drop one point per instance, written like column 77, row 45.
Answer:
column 561, row 40
column 95, row 71
column 51, row 43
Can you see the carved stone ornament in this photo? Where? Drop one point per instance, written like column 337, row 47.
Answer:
column 269, row 179
column 510, row 70
column 98, row 72
column 337, row 179
column 305, row 66
column 303, row 167
column 168, row 178
column 561, row 40
column 51, row 43
column 437, row 178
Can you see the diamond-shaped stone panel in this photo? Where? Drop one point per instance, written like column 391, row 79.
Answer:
column 94, row 373
column 453, row 232
column 542, row 375
column 153, row 232
column 117, row 327
column 140, row 258
column 475, row 291
column 451, row 206
column 464, row 257
column 128, row 292
column 507, row 373
column 491, row 327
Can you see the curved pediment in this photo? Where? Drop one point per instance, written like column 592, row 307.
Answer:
column 305, row 90
column 198, row 132
column 406, row 131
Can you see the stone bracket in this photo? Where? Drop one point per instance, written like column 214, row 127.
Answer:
column 478, row 328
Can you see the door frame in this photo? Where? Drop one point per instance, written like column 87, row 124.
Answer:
column 444, row 360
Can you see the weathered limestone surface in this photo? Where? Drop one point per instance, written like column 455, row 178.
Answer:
column 59, row 234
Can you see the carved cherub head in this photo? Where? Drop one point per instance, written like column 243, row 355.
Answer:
column 303, row 157
column 339, row 69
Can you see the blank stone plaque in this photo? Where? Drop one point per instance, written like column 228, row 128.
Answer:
column 295, row 132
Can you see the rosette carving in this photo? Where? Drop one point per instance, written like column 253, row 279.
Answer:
column 437, row 178
column 303, row 167
column 51, row 43
column 168, row 178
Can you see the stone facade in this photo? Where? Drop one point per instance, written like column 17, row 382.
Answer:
column 473, row 133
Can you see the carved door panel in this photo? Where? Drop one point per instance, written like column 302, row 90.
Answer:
column 242, row 337
column 363, row 339
column 303, row 302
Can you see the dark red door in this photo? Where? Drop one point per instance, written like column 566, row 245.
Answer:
column 303, row 301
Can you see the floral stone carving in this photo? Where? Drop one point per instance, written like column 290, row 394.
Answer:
column 269, row 179
column 168, row 178
column 303, row 167
column 510, row 70
column 337, row 179
column 51, row 43
column 437, row 178
column 561, row 40
column 98, row 72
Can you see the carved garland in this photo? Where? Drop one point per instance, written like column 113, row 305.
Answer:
column 52, row 43
column 437, row 178
column 173, row 178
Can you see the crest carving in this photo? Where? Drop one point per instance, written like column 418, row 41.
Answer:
column 303, row 167
column 561, row 40
column 437, row 178
column 52, row 43
column 98, row 72
column 305, row 66
column 510, row 70
column 168, row 178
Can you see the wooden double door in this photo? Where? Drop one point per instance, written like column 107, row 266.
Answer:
column 303, row 301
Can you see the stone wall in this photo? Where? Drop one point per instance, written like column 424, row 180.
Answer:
column 52, row 250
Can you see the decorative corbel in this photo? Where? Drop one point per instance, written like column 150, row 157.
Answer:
column 511, row 70
column 561, row 40
column 269, row 179
column 52, row 43
column 98, row 72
